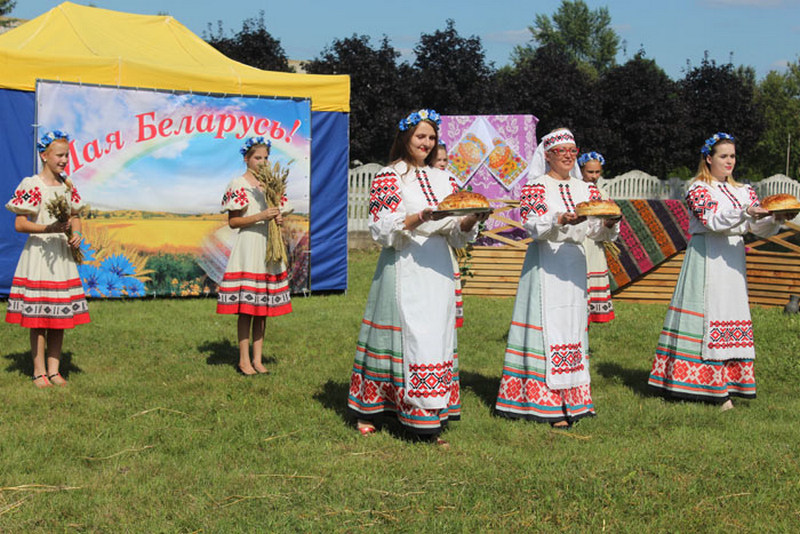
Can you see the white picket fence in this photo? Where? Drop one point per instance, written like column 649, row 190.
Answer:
column 359, row 180
column 633, row 184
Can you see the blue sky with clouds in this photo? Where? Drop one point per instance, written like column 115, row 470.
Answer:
column 764, row 34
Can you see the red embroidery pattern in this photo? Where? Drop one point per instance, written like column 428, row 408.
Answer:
column 701, row 203
column 532, row 398
column 75, row 198
column 566, row 358
column 427, row 190
column 753, row 197
column 552, row 141
column 731, row 196
column 237, row 195
column 532, row 198
column 384, row 194
column 371, row 397
column 566, row 197
column 431, row 380
column 695, row 378
column 453, row 184
column 594, row 193
column 30, row 196
column 730, row 334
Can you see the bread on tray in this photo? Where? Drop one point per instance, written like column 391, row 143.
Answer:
column 598, row 208
column 780, row 202
column 463, row 200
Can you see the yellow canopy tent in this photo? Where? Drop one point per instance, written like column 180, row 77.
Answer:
column 90, row 45
column 79, row 44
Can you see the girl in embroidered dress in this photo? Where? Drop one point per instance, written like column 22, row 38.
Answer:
column 251, row 287
column 601, row 309
column 46, row 293
column 406, row 360
column 705, row 351
column 546, row 367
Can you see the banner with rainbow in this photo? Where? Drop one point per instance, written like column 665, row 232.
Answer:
column 153, row 166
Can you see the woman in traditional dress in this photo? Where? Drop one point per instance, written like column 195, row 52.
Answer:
column 601, row 309
column 546, row 367
column 46, row 293
column 252, row 288
column 705, row 351
column 406, row 360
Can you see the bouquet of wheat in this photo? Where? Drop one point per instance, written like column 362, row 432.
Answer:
column 273, row 180
column 59, row 209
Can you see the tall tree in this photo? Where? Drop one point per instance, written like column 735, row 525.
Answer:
column 642, row 130
column 585, row 34
column 6, row 6
column 778, row 96
column 378, row 97
column 721, row 98
column 551, row 86
column 252, row 45
column 451, row 74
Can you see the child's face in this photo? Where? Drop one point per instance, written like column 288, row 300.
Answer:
column 256, row 158
column 592, row 171
column 56, row 156
column 440, row 162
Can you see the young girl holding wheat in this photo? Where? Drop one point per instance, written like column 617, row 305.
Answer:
column 46, row 293
column 255, row 285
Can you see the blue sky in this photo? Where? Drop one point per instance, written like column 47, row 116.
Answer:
column 764, row 34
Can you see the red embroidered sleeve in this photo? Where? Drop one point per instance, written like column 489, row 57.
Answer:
column 384, row 194
column 701, row 203
column 75, row 198
column 532, row 199
column 27, row 196
column 237, row 196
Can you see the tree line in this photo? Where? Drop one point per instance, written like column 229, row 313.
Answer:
column 632, row 112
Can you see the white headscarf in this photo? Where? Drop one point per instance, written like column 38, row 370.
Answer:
column 539, row 165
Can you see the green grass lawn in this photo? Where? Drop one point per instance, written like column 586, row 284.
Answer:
column 157, row 433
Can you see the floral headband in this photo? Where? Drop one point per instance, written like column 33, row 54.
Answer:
column 417, row 116
column 559, row 137
column 584, row 159
column 253, row 141
column 713, row 140
column 48, row 138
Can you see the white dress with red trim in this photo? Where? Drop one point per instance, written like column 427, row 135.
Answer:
column 250, row 285
column 46, row 291
column 546, row 366
column 406, row 358
column 706, row 348
column 601, row 308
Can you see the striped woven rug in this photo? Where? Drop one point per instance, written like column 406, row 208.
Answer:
column 651, row 231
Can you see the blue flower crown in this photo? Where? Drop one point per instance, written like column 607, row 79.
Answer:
column 584, row 159
column 417, row 116
column 713, row 140
column 253, row 141
column 48, row 138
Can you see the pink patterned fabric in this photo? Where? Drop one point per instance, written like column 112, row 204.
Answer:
column 518, row 133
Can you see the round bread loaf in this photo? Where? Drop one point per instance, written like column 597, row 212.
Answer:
column 598, row 208
column 780, row 202
column 462, row 200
